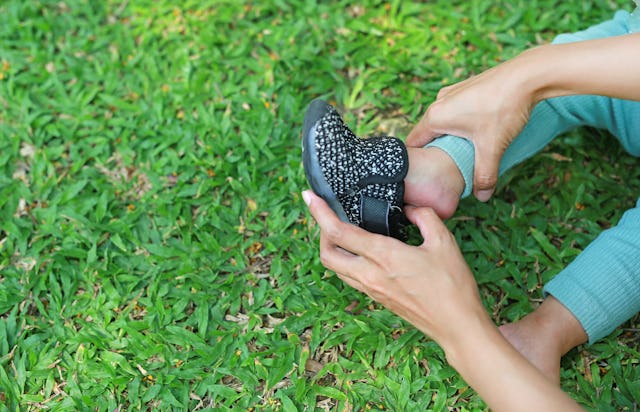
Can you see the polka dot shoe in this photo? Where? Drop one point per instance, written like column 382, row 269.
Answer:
column 362, row 180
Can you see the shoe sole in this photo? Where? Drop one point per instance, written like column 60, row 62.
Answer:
column 316, row 111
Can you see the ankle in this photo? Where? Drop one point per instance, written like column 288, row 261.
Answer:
column 560, row 325
column 433, row 180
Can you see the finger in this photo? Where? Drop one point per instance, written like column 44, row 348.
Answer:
column 352, row 282
column 345, row 235
column 430, row 225
column 345, row 264
column 485, row 174
column 337, row 259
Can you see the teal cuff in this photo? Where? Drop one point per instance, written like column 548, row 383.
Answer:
column 463, row 154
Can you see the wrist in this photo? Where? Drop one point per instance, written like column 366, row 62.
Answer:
column 473, row 332
column 500, row 374
column 534, row 75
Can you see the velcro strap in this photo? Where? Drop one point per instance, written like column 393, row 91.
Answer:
column 374, row 215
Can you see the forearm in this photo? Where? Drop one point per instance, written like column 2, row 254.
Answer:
column 500, row 375
column 607, row 67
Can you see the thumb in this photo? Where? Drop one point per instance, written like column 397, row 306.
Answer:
column 485, row 175
column 430, row 225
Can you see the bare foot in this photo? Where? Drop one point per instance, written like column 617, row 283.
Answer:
column 545, row 335
column 545, row 358
column 433, row 180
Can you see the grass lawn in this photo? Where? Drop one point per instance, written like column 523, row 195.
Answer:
column 155, row 252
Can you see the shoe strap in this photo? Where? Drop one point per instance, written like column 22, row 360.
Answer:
column 374, row 215
column 378, row 216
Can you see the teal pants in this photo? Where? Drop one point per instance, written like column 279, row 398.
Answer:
column 601, row 287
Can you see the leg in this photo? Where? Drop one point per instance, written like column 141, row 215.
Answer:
column 565, row 321
column 601, row 287
column 586, row 301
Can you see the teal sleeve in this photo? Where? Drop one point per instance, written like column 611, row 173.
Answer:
column 602, row 286
column 462, row 152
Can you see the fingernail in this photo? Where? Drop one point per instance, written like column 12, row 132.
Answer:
column 484, row 195
column 306, row 197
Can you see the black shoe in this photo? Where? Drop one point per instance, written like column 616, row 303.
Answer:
column 362, row 180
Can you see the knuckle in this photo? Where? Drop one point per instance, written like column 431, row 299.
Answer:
column 429, row 213
column 486, row 181
column 388, row 262
column 439, row 236
column 435, row 109
column 334, row 232
column 379, row 250
column 375, row 288
column 443, row 92
column 325, row 258
column 437, row 112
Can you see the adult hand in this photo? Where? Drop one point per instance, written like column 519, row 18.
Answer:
column 429, row 285
column 489, row 109
column 432, row 287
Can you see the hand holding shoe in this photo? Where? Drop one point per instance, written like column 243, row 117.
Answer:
column 429, row 285
column 432, row 287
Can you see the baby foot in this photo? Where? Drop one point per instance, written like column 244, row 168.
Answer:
column 433, row 180
column 542, row 355
column 545, row 335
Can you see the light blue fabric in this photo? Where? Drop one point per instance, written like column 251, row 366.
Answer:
column 602, row 286
column 634, row 19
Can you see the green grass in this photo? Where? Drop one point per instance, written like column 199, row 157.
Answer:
column 155, row 253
